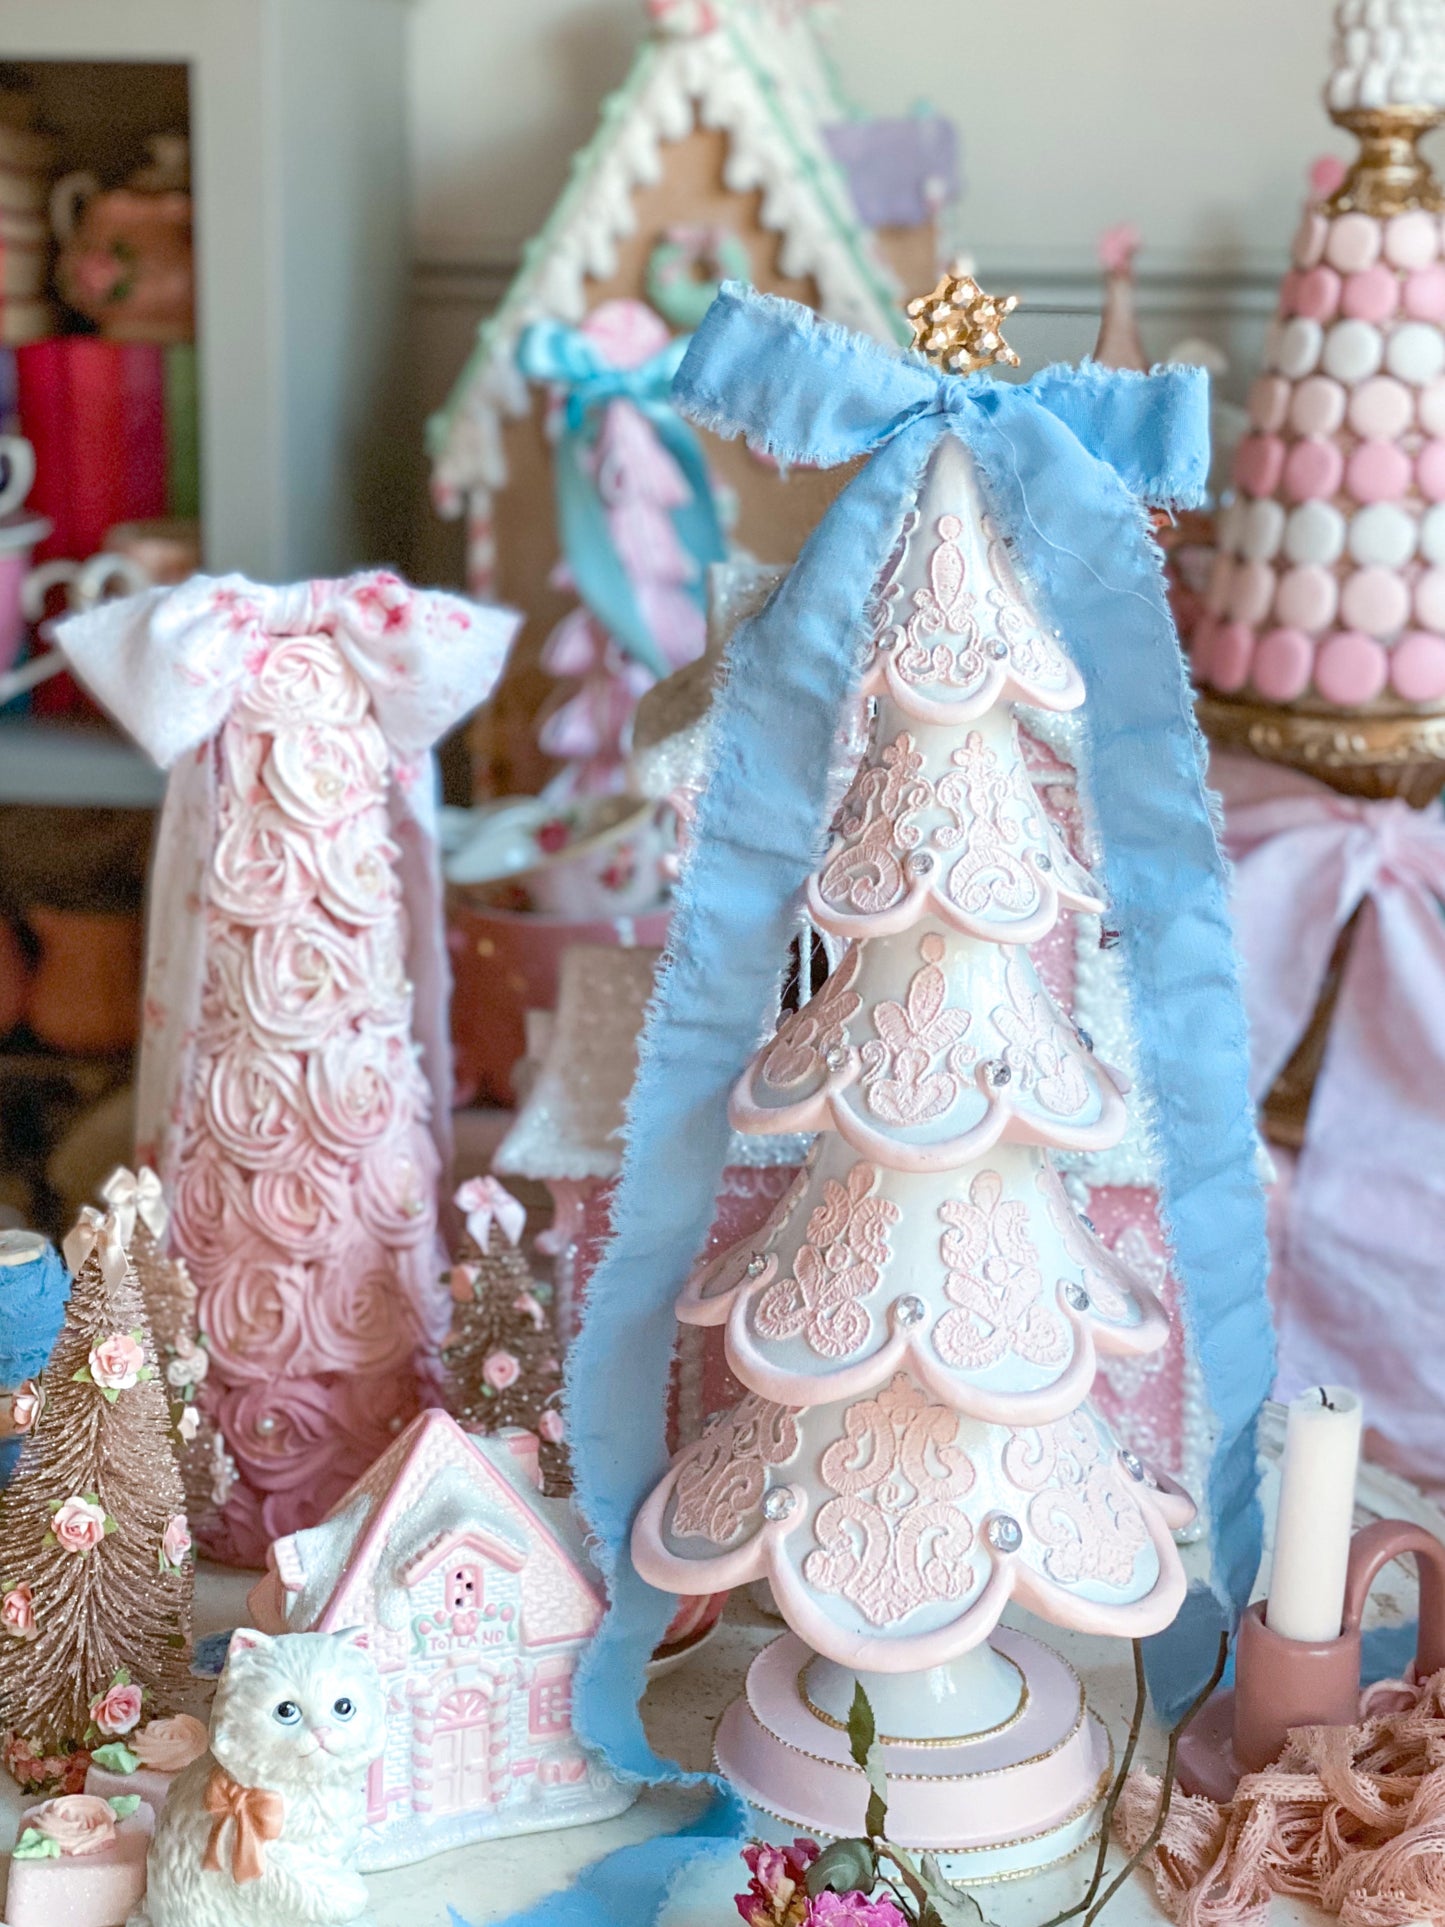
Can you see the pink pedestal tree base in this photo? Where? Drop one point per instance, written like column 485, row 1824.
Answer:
column 1007, row 1801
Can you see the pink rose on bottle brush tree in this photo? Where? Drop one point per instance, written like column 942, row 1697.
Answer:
column 175, row 1541
column 17, row 1612
column 500, row 1370
column 25, row 1405
column 118, row 1709
column 117, row 1362
column 79, row 1524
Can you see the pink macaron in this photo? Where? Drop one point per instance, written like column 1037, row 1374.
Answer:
column 1371, row 295
column 1307, row 598
column 1430, row 471
column 1377, row 472
column 1350, row 668
column 1424, row 295
column 1229, row 656
column 1282, row 664
column 1258, row 464
column 1313, row 470
column 1417, row 667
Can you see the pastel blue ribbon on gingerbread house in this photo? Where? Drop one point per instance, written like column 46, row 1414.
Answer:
column 565, row 359
column 1066, row 460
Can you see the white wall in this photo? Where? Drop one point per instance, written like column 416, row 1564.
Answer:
column 1194, row 117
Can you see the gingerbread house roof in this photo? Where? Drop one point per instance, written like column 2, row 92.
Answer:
column 746, row 68
column 435, row 1488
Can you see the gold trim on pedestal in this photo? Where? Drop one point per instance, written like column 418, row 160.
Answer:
column 1359, row 755
column 1389, row 176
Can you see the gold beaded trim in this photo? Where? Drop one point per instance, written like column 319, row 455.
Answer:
column 895, row 1739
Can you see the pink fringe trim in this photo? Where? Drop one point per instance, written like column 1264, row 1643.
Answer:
column 1350, row 1817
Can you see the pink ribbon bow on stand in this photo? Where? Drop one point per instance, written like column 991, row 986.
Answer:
column 1358, row 1265
column 170, row 664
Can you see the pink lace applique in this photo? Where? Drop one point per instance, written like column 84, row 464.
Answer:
column 913, row 1070
column 1035, row 657
column 1109, row 1296
column 723, row 1477
column 997, row 817
column 895, row 1537
column 995, row 1281
column 840, row 1264
column 724, row 1272
column 1042, row 1064
column 1084, row 1512
column 875, row 826
column 945, row 607
column 805, row 1038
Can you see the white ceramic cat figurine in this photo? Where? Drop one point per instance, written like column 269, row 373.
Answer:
column 262, row 1831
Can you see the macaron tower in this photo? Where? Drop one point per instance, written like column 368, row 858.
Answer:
column 1327, row 594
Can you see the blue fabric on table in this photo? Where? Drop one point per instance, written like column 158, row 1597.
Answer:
column 1062, row 459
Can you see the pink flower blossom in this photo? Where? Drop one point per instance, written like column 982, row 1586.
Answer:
column 17, row 1612
column 175, row 1541
column 78, row 1525
column 165, row 1746
column 27, row 1402
column 78, row 1823
column 117, row 1362
column 776, row 1896
column 851, row 1910
column 551, row 1427
column 500, row 1370
column 188, row 1424
column 117, row 1709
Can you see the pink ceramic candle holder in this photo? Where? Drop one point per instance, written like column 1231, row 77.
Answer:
column 1283, row 1683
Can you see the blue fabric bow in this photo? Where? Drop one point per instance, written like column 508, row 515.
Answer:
column 1064, row 459
column 552, row 352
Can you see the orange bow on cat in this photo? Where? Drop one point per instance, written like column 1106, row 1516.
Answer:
column 256, row 1814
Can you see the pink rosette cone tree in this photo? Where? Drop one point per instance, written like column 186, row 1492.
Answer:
column 295, row 1076
column 919, row 1323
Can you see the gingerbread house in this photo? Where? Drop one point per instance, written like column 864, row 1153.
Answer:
column 479, row 1599
column 727, row 152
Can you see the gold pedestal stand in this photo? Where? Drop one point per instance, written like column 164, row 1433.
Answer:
column 1366, row 755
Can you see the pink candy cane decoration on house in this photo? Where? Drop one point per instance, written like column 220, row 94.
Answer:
column 294, row 1081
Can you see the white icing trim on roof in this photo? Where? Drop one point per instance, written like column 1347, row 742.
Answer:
column 732, row 80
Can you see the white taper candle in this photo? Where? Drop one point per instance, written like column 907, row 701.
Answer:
column 1316, row 1515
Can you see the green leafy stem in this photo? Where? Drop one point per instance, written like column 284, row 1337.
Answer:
column 923, row 1894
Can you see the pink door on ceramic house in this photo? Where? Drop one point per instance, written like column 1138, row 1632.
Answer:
column 461, row 1755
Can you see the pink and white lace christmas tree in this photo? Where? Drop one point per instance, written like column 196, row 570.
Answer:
column 919, row 1323
column 295, row 1080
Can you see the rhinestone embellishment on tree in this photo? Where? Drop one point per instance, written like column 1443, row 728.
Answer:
column 1004, row 1533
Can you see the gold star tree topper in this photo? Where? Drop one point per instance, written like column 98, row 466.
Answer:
column 958, row 326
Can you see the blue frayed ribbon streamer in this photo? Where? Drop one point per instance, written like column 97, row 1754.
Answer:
column 1065, row 460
